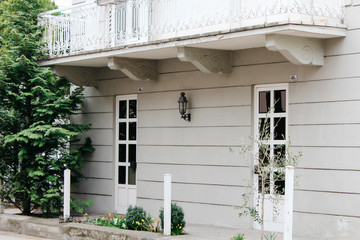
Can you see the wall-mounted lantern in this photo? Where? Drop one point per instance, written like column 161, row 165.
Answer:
column 182, row 107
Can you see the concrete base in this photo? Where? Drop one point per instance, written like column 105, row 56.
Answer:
column 52, row 229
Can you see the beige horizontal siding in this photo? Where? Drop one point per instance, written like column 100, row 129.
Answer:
column 333, row 90
column 101, row 205
column 338, row 204
column 204, row 136
column 346, row 158
column 326, row 226
column 97, row 104
column 187, row 155
column 206, row 194
column 219, row 97
column 101, row 154
column 322, row 113
column 103, row 170
column 216, row 175
column 200, row 117
column 97, row 120
column 102, row 137
column 325, row 135
column 328, row 180
column 95, row 186
column 345, row 45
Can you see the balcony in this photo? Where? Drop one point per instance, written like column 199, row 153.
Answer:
column 88, row 34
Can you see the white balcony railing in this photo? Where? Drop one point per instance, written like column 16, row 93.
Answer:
column 96, row 27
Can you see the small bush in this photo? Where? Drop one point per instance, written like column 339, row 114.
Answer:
column 137, row 219
column 134, row 215
column 177, row 219
column 238, row 237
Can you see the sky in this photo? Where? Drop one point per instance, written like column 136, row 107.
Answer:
column 62, row 3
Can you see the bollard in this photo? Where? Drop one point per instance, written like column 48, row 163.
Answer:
column 66, row 195
column 167, row 204
column 289, row 202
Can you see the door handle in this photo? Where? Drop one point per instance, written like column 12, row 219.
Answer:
column 133, row 165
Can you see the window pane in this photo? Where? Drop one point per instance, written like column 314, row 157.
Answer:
column 132, row 108
column 132, row 153
column 122, row 109
column 122, row 153
column 264, row 128
column 264, row 155
column 122, row 174
column 280, row 101
column 132, row 175
column 279, row 182
column 264, row 101
column 279, row 155
column 122, row 131
column 132, row 130
column 280, row 128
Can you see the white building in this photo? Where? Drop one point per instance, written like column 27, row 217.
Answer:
column 232, row 58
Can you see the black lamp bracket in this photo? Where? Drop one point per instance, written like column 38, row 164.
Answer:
column 186, row 117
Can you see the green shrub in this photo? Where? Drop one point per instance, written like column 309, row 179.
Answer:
column 238, row 237
column 137, row 219
column 79, row 205
column 177, row 219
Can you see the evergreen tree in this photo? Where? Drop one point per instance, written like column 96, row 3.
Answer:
column 35, row 107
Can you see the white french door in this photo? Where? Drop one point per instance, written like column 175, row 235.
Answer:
column 125, row 154
column 131, row 21
column 271, row 136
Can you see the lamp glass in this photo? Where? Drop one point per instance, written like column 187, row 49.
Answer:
column 182, row 103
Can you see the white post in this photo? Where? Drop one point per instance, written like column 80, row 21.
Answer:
column 167, row 204
column 289, row 202
column 66, row 194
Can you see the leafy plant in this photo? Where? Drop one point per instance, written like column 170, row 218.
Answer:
column 137, row 219
column 79, row 205
column 177, row 219
column 109, row 221
column 35, row 108
column 271, row 236
column 238, row 237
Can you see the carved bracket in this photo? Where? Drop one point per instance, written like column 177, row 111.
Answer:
column 135, row 69
column 207, row 60
column 81, row 76
column 298, row 50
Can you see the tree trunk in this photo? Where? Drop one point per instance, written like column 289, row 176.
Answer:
column 262, row 206
column 26, row 207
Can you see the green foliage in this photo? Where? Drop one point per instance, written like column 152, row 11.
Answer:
column 135, row 216
column 271, row 236
column 110, row 221
column 177, row 219
column 79, row 205
column 238, row 237
column 35, row 108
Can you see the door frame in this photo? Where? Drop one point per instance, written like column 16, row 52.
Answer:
column 278, row 225
column 116, row 153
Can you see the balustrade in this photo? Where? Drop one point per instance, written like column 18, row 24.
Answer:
column 90, row 27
